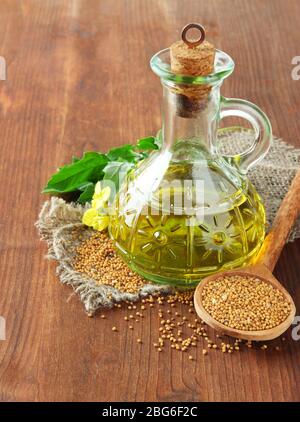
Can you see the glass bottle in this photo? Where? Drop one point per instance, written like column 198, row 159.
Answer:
column 187, row 211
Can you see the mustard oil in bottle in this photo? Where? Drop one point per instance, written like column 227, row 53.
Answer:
column 174, row 248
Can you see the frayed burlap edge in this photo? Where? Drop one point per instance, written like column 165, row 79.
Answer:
column 57, row 222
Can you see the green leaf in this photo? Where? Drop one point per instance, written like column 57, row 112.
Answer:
column 148, row 143
column 76, row 176
column 87, row 194
column 116, row 172
column 123, row 153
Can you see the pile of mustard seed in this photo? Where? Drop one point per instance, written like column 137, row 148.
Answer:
column 245, row 303
column 97, row 258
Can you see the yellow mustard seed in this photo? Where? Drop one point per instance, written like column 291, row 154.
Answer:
column 245, row 303
column 97, row 258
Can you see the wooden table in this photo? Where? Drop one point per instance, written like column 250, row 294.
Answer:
column 78, row 78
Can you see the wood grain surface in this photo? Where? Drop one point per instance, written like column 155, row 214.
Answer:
column 78, row 78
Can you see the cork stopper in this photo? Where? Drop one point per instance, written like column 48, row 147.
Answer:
column 195, row 58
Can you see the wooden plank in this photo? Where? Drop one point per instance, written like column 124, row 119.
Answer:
column 78, row 79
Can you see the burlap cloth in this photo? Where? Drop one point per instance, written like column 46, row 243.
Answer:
column 58, row 219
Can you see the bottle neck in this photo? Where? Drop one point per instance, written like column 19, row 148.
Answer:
column 190, row 122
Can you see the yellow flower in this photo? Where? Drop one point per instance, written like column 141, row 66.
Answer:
column 95, row 216
column 89, row 216
column 101, row 223
column 92, row 218
column 97, row 190
column 101, row 196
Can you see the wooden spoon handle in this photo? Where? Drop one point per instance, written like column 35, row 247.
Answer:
column 283, row 222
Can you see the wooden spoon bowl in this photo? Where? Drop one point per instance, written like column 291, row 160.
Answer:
column 261, row 272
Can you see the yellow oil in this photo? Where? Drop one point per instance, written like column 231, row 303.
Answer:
column 178, row 249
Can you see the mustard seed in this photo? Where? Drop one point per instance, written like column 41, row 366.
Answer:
column 245, row 303
column 97, row 258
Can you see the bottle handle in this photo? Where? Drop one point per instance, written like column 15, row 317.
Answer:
column 261, row 126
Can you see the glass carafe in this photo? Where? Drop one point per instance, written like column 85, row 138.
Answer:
column 187, row 211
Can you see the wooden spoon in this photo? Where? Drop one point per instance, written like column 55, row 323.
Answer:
column 262, row 268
